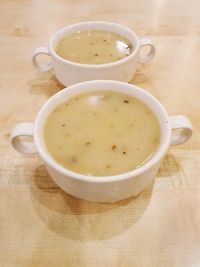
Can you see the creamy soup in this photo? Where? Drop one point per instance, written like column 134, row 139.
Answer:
column 102, row 133
column 94, row 47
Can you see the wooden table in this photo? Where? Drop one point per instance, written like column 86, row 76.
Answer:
column 40, row 225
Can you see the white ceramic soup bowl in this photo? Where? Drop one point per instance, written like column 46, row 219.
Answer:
column 102, row 188
column 68, row 72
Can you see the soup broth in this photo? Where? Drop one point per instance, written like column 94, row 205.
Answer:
column 94, row 47
column 102, row 133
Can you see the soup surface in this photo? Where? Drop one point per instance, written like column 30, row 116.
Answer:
column 101, row 133
column 94, row 47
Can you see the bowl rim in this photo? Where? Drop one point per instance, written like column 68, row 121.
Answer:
column 100, row 179
column 98, row 24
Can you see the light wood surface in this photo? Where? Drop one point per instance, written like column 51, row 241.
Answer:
column 40, row 225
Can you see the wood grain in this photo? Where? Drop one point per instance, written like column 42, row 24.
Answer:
column 40, row 225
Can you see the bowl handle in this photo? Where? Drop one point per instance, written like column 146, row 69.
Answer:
column 41, row 67
column 21, row 130
column 181, row 129
column 148, row 57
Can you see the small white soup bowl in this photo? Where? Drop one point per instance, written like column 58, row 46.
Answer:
column 68, row 72
column 175, row 130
